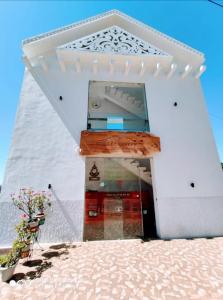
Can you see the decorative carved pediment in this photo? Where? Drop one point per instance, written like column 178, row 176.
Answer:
column 118, row 144
column 114, row 40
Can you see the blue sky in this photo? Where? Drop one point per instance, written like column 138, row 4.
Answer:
column 196, row 23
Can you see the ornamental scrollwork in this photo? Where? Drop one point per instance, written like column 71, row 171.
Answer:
column 114, row 40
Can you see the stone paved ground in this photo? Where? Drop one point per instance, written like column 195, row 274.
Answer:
column 177, row 269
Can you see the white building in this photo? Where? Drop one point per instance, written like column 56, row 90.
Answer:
column 148, row 163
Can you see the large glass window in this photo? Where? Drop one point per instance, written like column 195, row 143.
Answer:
column 118, row 199
column 117, row 106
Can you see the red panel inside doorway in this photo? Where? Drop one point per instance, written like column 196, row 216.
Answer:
column 103, row 208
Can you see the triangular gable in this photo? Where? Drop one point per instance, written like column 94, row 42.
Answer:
column 114, row 40
column 181, row 53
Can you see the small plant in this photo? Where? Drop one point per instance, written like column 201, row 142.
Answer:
column 23, row 231
column 18, row 246
column 7, row 264
column 4, row 261
column 10, row 259
column 33, row 206
column 24, row 202
column 13, row 256
column 31, row 203
column 42, row 201
column 21, row 248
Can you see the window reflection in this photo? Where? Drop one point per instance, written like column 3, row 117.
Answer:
column 114, row 197
column 117, row 106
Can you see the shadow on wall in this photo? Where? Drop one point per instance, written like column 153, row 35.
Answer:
column 63, row 224
column 66, row 215
column 9, row 216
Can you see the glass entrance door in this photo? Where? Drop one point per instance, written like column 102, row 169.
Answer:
column 114, row 192
column 113, row 217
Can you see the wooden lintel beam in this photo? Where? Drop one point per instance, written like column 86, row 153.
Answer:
column 118, row 144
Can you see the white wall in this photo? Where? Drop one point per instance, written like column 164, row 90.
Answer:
column 188, row 153
column 43, row 152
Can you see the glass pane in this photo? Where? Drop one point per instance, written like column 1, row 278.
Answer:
column 113, row 217
column 117, row 106
column 115, row 123
column 117, row 192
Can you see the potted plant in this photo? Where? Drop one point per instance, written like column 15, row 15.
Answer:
column 25, row 251
column 24, row 236
column 33, row 225
column 22, row 230
column 33, row 204
column 42, row 201
column 25, row 202
column 22, row 248
column 8, row 263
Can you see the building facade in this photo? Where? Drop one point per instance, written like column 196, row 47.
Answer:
column 112, row 118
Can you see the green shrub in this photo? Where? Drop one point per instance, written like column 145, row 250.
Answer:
column 9, row 259
column 18, row 246
column 23, row 232
column 3, row 260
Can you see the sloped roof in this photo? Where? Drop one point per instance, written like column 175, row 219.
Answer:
column 111, row 12
column 64, row 35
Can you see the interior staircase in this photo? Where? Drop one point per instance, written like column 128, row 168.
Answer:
column 136, row 167
column 124, row 100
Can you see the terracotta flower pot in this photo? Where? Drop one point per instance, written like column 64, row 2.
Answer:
column 25, row 252
column 33, row 226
